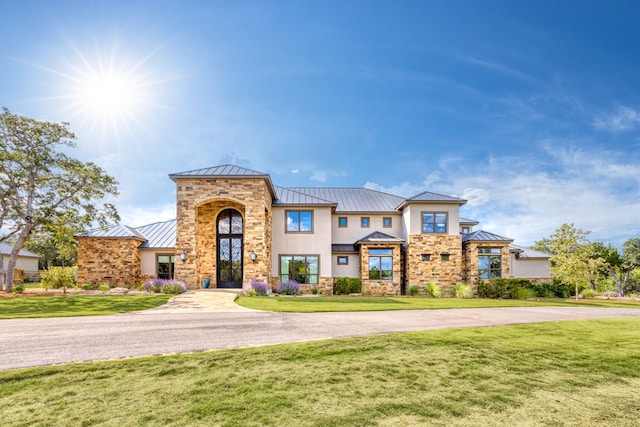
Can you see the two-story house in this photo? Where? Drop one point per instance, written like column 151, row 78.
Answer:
column 233, row 226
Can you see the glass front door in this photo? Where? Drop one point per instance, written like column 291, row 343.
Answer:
column 229, row 249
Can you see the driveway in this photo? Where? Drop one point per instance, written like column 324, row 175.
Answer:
column 172, row 329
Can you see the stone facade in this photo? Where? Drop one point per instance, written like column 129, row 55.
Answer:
column 434, row 258
column 199, row 201
column 470, row 252
column 110, row 261
column 381, row 287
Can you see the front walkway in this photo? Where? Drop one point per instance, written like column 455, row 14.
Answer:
column 201, row 301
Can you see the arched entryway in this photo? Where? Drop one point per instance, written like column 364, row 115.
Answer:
column 229, row 252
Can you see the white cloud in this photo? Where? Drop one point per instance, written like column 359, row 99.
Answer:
column 137, row 216
column 476, row 196
column 624, row 119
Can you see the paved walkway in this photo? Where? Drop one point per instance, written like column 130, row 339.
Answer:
column 201, row 301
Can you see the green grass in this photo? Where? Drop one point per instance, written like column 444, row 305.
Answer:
column 77, row 305
column 562, row 373
column 332, row 304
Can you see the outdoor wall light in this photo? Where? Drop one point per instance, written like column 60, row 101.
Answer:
column 254, row 257
column 183, row 256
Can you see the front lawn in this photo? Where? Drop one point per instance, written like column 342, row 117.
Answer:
column 352, row 303
column 561, row 373
column 77, row 305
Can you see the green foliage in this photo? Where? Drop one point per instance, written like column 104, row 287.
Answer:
column 42, row 188
column 58, row 278
column 513, row 288
column 433, row 290
column 104, row 288
column 413, row 291
column 589, row 293
column 18, row 289
column 86, row 287
column 462, row 290
column 347, row 285
column 315, row 290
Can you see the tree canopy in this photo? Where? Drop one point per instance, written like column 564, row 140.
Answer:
column 44, row 189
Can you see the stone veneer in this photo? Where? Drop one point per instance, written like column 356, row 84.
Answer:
column 445, row 273
column 471, row 260
column 109, row 261
column 199, row 201
column 324, row 286
column 391, row 287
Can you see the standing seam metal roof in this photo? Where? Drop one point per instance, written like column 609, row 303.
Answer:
column 354, row 199
column 484, row 236
column 159, row 234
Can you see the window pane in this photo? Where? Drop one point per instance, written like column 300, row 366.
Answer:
column 285, row 265
column 483, row 274
column 312, row 262
column 441, row 227
column 387, row 275
column 163, row 258
column 386, row 222
column 496, row 263
column 441, row 218
column 496, row 250
column 342, row 221
column 223, row 225
column 428, row 217
column 483, row 262
column 380, row 251
column 293, row 221
column 236, row 224
column 428, row 228
column 387, row 263
column 313, row 279
column 305, row 221
column 495, row 274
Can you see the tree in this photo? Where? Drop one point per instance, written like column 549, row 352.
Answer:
column 621, row 266
column 41, row 187
column 575, row 261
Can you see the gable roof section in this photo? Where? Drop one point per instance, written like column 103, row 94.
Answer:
column 159, row 234
column 117, row 231
column 5, row 249
column 226, row 171
column 354, row 200
column 468, row 221
column 430, row 197
column 484, row 236
column 379, row 237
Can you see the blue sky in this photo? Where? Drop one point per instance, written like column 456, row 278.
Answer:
column 529, row 110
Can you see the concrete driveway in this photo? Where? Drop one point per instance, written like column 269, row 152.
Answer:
column 197, row 323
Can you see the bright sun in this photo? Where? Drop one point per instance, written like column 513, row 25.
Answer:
column 109, row 92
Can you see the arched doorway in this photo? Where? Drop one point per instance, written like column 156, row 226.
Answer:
column 229, row 249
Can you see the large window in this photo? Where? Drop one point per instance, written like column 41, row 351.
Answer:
column 165, row 265
column 489, row 263
column 301, row 268
column 299, row 221
column 380, row 264
column 434, row 222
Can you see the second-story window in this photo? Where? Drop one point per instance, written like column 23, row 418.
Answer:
column 434, row 222
column 342, row 222
column 299, row 221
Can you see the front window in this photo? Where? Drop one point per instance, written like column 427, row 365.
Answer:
column 386, row 222
column 364, row 222
column 301, row 268
column 165, row 265
column 299, row 221
column 434, row 222
column 489, row 263
column 342, row 222
column 380, row 264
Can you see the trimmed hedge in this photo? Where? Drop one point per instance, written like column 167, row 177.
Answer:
column 518, row 289
column 347, row 285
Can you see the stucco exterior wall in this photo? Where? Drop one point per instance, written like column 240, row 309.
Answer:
column 316, row 243
column 354, row 232
column 352, row 269
column 413, row 217
column 29, row 265
column 530, row 268
column 111, row 261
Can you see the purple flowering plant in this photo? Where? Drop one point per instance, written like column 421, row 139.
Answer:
column 258, row 288
column 165, row 286
column 288, row 287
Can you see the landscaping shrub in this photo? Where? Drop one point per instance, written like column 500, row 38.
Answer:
column 347, row 285
column 589, row 293
column 18, row 289
column 87, row 287
column 288, row 287
column 259, row 288
column 610, row 294
column 58, row 277
column 103, row 288
column 413, row 291
column 165, row 286
column 520, row 293
column 462, row 290
column 513, row 288
column 433, row 290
